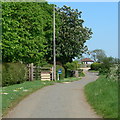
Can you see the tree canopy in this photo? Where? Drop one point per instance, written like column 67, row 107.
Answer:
column 27, row 29
column 72, row 34
column 25, row 26
column 98, row 55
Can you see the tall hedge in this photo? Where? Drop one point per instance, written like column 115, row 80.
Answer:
column 13, row 73
column 26, row 28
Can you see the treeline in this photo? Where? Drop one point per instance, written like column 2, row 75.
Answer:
column 27, row 29
column 27, row 37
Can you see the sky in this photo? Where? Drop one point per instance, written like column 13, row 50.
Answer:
column 102, row 18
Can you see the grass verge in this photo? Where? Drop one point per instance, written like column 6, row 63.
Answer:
column 103, row 96
column 70, row 79
column 12, row 95
column 95, row 71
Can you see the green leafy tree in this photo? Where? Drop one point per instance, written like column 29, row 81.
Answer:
column 72, row 35
column 98, row 55
column 25, row 26
column 49, row 34
column 28, row 32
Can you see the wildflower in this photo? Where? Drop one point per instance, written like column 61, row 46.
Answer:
column 25, row 90
column 15, row 90
column 20, row 88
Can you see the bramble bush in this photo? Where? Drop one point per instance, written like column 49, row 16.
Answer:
column 107, row 63
column 13, row 73
column 114, row 73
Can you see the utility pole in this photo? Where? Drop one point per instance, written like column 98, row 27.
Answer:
column 54, row 53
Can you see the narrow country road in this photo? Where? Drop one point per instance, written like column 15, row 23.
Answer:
column 62, row 100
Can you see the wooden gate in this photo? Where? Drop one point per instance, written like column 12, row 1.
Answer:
column 40, row 73
column 46, row 74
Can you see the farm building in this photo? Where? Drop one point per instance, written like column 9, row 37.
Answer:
column 87, row 61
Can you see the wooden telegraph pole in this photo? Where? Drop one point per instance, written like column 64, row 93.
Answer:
column 54, row 53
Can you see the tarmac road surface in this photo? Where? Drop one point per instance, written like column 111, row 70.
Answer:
column 62, row 100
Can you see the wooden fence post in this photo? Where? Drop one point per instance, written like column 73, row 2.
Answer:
column 52, row 73
column 31, row 72
column 28, row 71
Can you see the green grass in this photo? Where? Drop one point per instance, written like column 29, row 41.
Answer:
column 82, row 74
column 13, row 94
column 103, row 97
column 70, row 79
column 96, row 71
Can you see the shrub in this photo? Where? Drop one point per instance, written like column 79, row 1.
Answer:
column 107, row 63
column 113, row 74
column 13, row 73
column 48, row 65
column 96, row 66
column 62, row 76
column 71, row 67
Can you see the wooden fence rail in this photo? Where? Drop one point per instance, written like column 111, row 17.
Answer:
column 41, row 73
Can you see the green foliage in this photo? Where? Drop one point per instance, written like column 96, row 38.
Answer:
column 26, row 26
column 48, row 65
column 95, row 66
column 71, row 67
column 98, row 55
column 103, row 96
column 13, row 73
column 62, row 76
column 72, row 35
column 27, row 29
column 81, row 73
column 107, row 63
column 114, row 73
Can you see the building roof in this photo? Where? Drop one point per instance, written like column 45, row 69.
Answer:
column 87, row 60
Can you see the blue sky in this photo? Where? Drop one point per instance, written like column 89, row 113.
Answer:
column 102, row 17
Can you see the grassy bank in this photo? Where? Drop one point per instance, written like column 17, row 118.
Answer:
column 103, row 96
column 70, row 79
column 12, row 95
